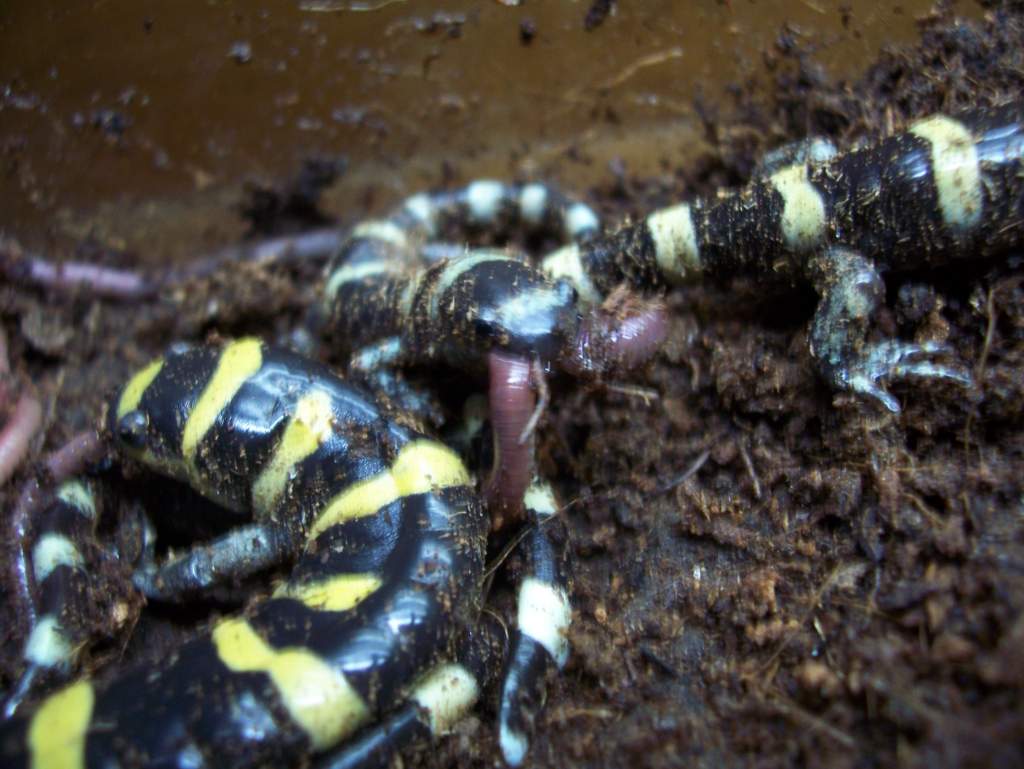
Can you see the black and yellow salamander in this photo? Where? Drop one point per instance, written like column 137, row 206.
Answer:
column 396, row 294
column 388, row 539
column 948, row 187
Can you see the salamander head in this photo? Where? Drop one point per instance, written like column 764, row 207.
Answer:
column 538, row 319
column 147, row 416
column 490, row 300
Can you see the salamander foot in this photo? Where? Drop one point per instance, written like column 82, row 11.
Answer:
column 851, row 289
column 895, row 360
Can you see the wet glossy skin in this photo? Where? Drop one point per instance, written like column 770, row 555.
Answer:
column 389, row 539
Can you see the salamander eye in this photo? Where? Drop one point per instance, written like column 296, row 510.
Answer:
column 484, row 328
column 132, row 428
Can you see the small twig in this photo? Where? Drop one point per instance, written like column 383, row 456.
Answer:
column 979, row 368
column 816, row 599
column 933, row 518
column 520, row 535
column 489, row 610
column 990, row 328
column 539, row 380
column 651, row 60
column 584, row 712
column 656, row 659
column 750, row 468
column 805, row 718
column 506, row 551
column 648, row 394
column 696, row 465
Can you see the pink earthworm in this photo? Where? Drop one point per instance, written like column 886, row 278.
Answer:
column 624, row 333
column 108, row 282
column 22, row 426
column 20, row 574
column 303, row 246
column 17, row 264
column 74, row 456
column 512, row 401
column 15, row 438
column 5, row 373
column 23, row 421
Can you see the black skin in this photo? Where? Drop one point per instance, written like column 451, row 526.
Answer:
column 473, row 317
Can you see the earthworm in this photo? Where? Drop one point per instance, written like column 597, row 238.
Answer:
column 71, row 458
column 512, row 404
column 108, row 282
column 21, row 428
column 624, row 333
column 28, row 502
column 130, row 285
column 311, row 245
column 5, row 371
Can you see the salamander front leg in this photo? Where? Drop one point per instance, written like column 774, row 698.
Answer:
column 240, row 553
column 851, row 289
column 378, row 366
column 539, row 642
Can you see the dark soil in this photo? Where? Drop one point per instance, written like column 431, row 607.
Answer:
column 831, row 585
